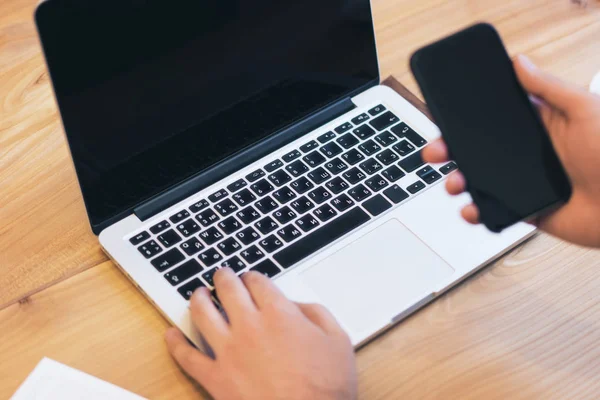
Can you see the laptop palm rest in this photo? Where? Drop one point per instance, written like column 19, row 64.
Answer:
column 371, row 280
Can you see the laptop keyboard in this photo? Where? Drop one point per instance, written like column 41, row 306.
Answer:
column 294, row 206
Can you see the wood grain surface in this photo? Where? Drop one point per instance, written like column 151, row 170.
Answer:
column 527, row 327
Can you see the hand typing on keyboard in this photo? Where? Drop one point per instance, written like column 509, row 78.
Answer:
column 271, row 348
column 572, row 118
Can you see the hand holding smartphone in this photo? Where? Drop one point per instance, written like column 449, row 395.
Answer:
column 492, row 129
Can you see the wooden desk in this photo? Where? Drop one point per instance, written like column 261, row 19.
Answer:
column 526, row 327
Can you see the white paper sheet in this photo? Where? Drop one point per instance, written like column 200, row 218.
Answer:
column 51, row 380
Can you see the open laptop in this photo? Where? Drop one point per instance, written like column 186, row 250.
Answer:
column 256, row 135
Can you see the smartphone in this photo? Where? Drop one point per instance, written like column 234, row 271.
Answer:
column 492, row 129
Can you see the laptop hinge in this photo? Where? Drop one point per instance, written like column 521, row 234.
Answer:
column 246, row 157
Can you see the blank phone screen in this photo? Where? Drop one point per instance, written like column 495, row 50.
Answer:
column 490, row 125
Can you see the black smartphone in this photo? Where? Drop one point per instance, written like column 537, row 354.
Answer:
column 492, row 129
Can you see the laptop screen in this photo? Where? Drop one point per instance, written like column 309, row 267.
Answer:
column 152, row 92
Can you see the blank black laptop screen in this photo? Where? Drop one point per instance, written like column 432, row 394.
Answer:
column 152, row 92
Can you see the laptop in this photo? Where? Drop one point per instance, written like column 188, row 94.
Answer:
column 256, row 135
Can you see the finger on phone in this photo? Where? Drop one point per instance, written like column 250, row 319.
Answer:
column 470, row 214
column 436, row 152
column 456, row 183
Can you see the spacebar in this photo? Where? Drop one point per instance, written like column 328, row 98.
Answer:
column 321, row 238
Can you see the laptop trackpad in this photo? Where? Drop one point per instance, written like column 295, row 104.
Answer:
column 373, row 279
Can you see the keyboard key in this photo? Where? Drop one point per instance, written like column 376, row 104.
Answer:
column 326, row 137
column 169, row 238
column 188, row 228
column 312, row 145
column 410, row 163
column 376, row 183
column 302, row 205
column 267, row 268
column 237, row 185
column 403, row 130
column 244, row 197
column 322, row 237
column 404, row 148
column 289, row 233
column 209, row 276
column 192, row 246
column 319, row 195
column 342, row 203
column 315, row 158
column 325, row 213
column 331, row 149
column 234, row 263
column 336, row 166
column 360, row 119
column 180, row 216
column 184, row 272
column 230, row 225
column 207, row 217
column 429, row 175
column 266, row 205
column 229, row 246
column 395, row 194
column 347, row 141
column 337, row 185
column 302, row 185
column 284, row 195
column 377, row 205
column 416, row 187
column 393, row 173
column 387, row 157
column 446, row 169
column 291, row 156
column 266, row 225
column 247, row 236
column 297, row 168
column 343, row 128
column 256, row 175
column 139, row 238
column 354, row 176
column 319, row 175
column 189, row 288
column 199, row 206
column 226, row 207
column 359, row 193
column 384, row 121
column 218, row 195
column 211, row 236
column 168, row 260
column 210, row 257
column 364, row 132
column 284, row 215
column 161, row 226
column 385, row 139
column 353, row 157
column 370, row 166
column 248, row 215
column 252, row 254
column 280, row 178
column 307, row 223
column 273, row 165
column 262, row 187
column 271, row 243
column 377, row 110
column 369, row 147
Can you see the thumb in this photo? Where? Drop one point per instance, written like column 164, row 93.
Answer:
column 553, row 91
